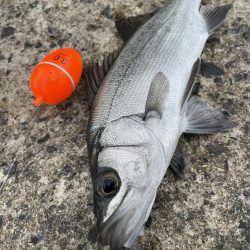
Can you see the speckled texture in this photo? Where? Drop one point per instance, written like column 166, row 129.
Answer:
column 47, row 203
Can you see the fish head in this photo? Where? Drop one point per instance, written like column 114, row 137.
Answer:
column 126, row 182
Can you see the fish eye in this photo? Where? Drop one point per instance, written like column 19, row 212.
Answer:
column 108, row 184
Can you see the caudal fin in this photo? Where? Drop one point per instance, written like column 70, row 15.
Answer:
column 214, row 17
column 200, row 118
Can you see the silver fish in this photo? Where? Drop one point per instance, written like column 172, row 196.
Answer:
column 142, row 107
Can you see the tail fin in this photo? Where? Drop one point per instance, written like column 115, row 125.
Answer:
column 202, row 119
column 214, row 17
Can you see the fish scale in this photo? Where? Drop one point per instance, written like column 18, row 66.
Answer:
column 130, row 94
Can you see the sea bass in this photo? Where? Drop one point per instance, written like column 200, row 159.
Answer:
column 140, row 109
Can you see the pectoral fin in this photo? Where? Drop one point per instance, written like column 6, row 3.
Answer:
column 214, row 17
column 200, row 118
column 180, row 164
column 157, row 94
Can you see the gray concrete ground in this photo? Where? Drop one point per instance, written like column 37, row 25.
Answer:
column 47, row 203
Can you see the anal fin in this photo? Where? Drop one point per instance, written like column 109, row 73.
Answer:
column 200, row 118
column 180, row 164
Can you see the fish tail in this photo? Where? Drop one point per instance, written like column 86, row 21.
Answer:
column 214, row 16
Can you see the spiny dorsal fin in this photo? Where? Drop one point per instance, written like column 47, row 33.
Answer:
column 157, row 93
column 95, row 75
column 180, row 163
column 190, row 84
column 126, row 27
column 214, row 17
column 200, row 118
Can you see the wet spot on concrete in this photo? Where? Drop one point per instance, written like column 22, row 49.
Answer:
column 10, row 58
column 51, row 149
column 33, row 4
column 92, row 27
column 63, row 228
column 24, row 217
column 63, row 243
column 107, row 11
column 3, row 118
column 38, row 45
column 219, row 247
column 1, row 221
column 18, row 14
column 213, row 40
column 7, row 31
column 54, row 33
column 236, row 208
column 215, row 149
column 65, row 170
column 230, row 64
column 81, row 246
column 16, row 234
column 218, row 80
column 192, row 215
column 52, row 45
column 247, row 237
column 246, row 34
column 205, row 202
column 27, row 45
column 247, row 128
column 61, row 41
column 246, row 193
column 35, row 239
column 1, row 56
column 43, row 139
column 209, row 70
column 229, row 107
column 240, row 77
column 244, row 225
column 11, row 169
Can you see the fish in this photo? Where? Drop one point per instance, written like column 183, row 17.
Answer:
column 142, row 101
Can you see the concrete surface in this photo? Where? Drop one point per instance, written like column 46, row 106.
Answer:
column 47, row 202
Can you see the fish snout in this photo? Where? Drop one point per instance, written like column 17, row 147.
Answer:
column 118, row 235
column 126, row 224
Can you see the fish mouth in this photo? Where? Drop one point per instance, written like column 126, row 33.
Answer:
column 123, row 227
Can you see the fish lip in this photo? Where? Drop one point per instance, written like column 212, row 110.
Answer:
column 105, row 238
column 123, row 227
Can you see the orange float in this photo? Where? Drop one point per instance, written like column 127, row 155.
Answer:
column 56, row 76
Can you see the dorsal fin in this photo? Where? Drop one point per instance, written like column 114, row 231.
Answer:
column 157, row 94
column 95, row 75
column 126, row 27
column 190, row 84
